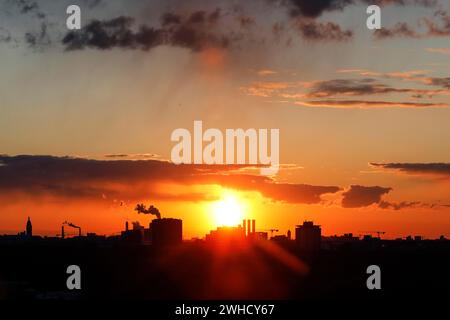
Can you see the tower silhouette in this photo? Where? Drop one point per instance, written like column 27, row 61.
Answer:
column 29, row 228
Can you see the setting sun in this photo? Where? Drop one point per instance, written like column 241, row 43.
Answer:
column 228, row 211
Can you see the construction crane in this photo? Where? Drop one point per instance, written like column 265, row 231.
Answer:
column 271, row 231
column 379, row 233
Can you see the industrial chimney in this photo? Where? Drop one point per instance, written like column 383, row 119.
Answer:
column 249, row 226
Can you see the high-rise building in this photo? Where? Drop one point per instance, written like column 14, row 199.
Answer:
column 308, row 236
column 29, row 228
column 166, row 231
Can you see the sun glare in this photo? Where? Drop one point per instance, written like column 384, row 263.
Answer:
column 228, row 211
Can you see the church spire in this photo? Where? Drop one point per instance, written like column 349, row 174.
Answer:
column 29, row 228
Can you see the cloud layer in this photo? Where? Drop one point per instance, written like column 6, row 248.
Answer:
column 314, row 9
column 360, row 196
column 77, row 178
column 80, row 179
column 440, row 169
column 195, row 31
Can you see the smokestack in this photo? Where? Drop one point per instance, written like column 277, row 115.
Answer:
column 253, row 225
column 62, row 232
column 70, row 224
column 126, row 226
column 249, row 227
column 245, row 229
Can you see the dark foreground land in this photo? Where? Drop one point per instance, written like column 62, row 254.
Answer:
column 37, row 270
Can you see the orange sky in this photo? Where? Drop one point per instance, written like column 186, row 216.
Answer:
column 363, row 116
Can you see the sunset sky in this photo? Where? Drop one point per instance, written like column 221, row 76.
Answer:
column 364, row 116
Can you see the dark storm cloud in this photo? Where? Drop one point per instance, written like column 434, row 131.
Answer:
column 315, row 8
column 195, row 31
column 441, row 169
column 360, row 196
column 200, row 29
column 77, row 178
column 112, row 33
column 327, row 31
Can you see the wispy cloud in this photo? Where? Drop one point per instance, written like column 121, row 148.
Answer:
column 369, row 104
column 445, row 51
column 436, row 169
column 323, row 31
column 436, row 26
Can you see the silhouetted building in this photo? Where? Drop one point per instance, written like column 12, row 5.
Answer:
column 280, row 238
column 289, row 234
column 166, row 231
column 346, row 240
column 308, row 236
column 135, row 236
column 226, row 234
column 259, row 235
column 147, row 237
column 29, row 228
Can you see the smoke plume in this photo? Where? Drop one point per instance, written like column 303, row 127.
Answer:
column 71, row 225
column 141, row 208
